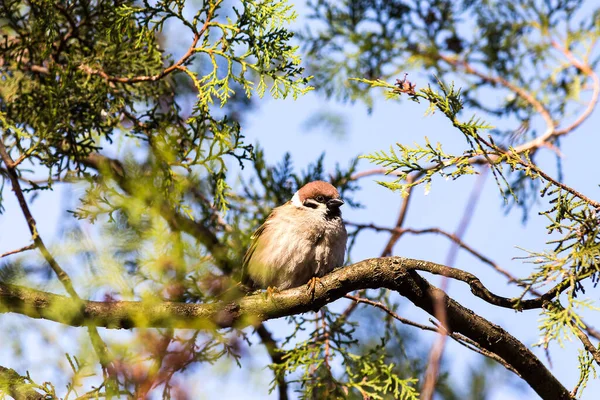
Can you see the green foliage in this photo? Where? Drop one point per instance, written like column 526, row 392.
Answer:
column 428, row 161
column 409, row 160
column 380, row 40
column 314, row 364
column 587, row 370
column 88, row 77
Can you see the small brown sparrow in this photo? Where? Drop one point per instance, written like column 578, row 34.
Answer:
column 299, row 242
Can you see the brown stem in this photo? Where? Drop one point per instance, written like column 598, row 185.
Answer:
column 525, row 95
column 511, row 278
column 589, row 346
column 39, row 243
column 387, row 251
column 21, row 250
column 437, row 350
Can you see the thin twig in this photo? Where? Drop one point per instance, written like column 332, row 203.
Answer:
column 459, row 338
column 518, row 90
column 587, row 344
column 387, row 251
column 22, row 249
column 371, row 172
column 325, row 339
column 381, row 306
column 450, row 236
column 587, row 70
column 16, row 186
column 510, row 277
column 559, row 184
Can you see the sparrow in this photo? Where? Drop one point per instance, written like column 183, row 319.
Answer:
column 300, row 241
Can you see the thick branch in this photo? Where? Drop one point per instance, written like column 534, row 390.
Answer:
column 394, row 273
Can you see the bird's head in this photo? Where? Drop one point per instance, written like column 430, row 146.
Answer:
column 319, row 196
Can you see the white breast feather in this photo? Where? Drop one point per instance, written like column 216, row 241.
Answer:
column 292, row 250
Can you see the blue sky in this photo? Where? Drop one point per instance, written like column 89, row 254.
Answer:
column 279, row 125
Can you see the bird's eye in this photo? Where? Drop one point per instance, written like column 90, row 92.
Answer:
column 320, row 199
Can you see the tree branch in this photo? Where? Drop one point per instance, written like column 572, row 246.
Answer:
column 457, row 337
column 39, row 243
column 393, row 273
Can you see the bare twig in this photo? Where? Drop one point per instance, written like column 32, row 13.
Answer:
column 39, row 243
column 559, row 184
column 325, row 339
column 387, row 251
column 510, row 277
column 371, row 172
column 587, row 70
column 518, row 90
column 391, row 313
column 461, row 339
column 21, row 250
column 450, row 236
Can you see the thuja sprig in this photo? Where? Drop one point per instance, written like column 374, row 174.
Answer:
column 428, row 161
column 576, row 253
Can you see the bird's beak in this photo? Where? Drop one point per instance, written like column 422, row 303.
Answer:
column 335, row 203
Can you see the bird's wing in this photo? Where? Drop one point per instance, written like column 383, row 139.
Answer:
column 246, row 279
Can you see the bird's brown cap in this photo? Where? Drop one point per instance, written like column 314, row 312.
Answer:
column 316, row 188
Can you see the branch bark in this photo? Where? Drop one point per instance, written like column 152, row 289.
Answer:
column 393, row 273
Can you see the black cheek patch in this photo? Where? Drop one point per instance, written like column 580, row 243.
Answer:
column 310, row 203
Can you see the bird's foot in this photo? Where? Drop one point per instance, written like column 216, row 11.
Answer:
column 312, row 285
column 271, row 290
